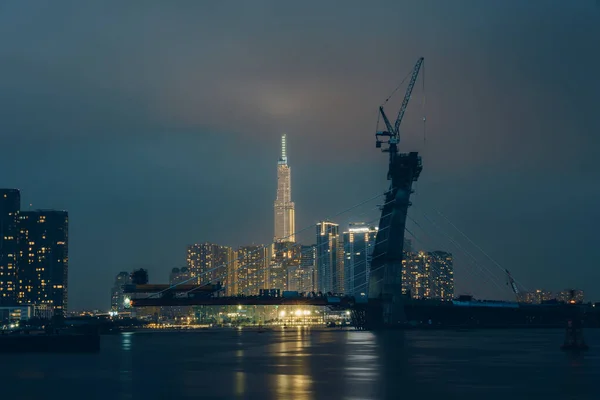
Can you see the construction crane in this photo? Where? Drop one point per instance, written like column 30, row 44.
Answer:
column 513, row 285
column 393, row 132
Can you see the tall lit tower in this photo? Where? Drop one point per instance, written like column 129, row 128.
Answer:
column 43, row 243
column 10, row 203
column 330, row 258
column 284, row 206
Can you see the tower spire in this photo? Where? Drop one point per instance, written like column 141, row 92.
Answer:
column 283, row 159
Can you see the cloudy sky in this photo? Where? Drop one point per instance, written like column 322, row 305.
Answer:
column 156, row 124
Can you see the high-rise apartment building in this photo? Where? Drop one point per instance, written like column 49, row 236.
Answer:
column 306, row 276
column 301, row 275
column 43, row 243
column 117, row 302
column 284, row 256
column 308, row 256
column 330, row 258
column 251, row 270
column 284, row 206
column 209, row 263
column 411, row 269
column 428, row 275
column 441, row 270
column 358, row 246
column 10, row 204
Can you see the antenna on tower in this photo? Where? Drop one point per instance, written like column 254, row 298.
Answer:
column 283, row 158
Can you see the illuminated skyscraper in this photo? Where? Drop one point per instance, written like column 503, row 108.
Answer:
column 43, row 243
column 330, row 258
column 358, row 246
column 10, row 203
column 284, row 206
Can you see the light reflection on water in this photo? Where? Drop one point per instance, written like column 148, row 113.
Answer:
column 126, row 367
column 304, row 364
column 126, row 341
column 362, row 361
column 239, row 383
column 294, row 377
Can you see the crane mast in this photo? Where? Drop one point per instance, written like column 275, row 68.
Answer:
column 393, row 132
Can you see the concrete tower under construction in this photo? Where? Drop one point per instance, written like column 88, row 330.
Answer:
column 385, row 281
column 284, row 206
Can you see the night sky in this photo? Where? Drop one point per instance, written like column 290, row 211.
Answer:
column 156, row 124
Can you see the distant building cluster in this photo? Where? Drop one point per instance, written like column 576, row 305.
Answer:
column 117, row 295
column 540, row 296
column 339, row 261
column 34, row 259
column 428, row 275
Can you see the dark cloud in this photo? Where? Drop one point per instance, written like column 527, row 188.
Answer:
column 155, row 124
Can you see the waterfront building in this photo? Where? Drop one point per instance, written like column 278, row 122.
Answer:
column 10, row 204
column 43, row 259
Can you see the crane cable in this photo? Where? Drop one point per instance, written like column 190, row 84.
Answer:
column 479, row 248
column 397, row 87
column 389, row 97
column 423, row 106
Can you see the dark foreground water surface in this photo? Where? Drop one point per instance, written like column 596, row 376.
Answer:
column 303, row 364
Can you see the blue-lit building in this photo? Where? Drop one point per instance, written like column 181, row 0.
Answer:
column 358, row 246
column 330, row 258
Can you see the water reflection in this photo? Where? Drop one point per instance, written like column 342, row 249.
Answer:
column 292, row 387
column 326, row 364
column 126, row 366
column 361, row 366
column 239, row 379
column 292, row 378
column 239, row 383
column 126, row 341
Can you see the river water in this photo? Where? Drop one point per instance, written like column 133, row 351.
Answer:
column 312, row 364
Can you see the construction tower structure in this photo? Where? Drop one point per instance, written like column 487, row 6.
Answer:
column 385, row 281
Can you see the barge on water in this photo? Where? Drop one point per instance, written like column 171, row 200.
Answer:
column 466, row 312
column 19, row 342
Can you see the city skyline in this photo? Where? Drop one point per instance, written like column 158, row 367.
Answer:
column 176, row 144
column 337, row 264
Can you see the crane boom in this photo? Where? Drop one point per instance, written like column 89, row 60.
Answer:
column 513, row 285
column 409, row 89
